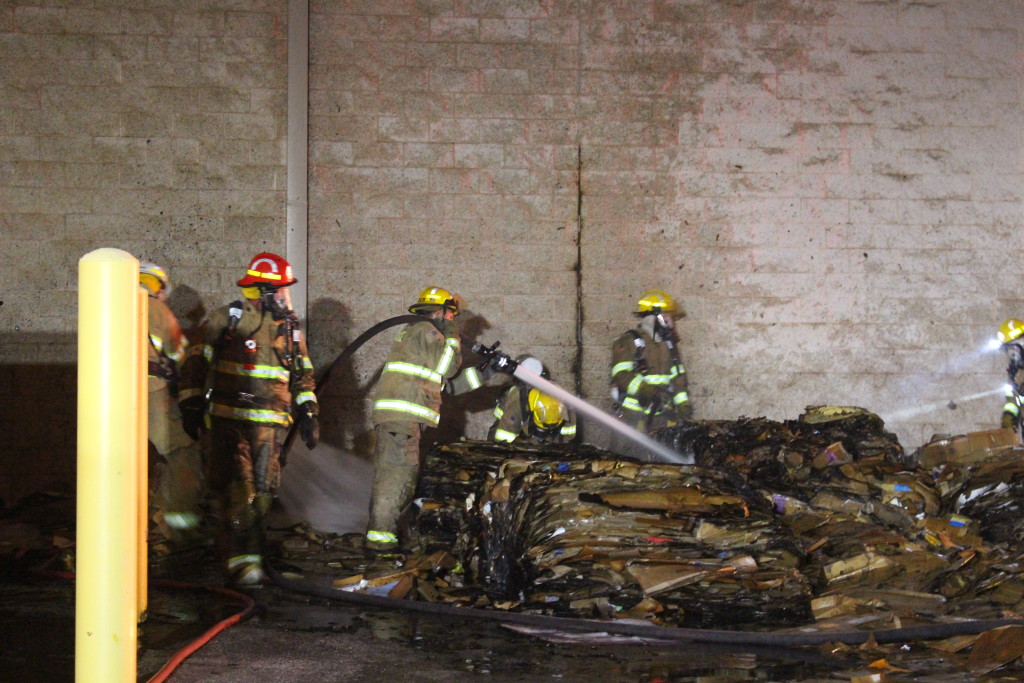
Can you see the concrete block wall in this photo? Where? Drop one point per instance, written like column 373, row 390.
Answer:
column 830, row 189
column 155, row 127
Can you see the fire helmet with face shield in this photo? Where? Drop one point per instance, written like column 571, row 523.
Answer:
column 655, row 301
column 268, row 269
column 1010, row 331
column 548, row 413
column 434, row 298
column 154, row 278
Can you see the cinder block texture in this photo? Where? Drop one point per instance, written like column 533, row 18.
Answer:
column 153, row 127
column 831, row 189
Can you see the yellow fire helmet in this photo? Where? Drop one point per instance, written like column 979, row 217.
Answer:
column 1010, row 330
column 548, row 412
column 432, row 298
column 655, row 301
column 153, row 277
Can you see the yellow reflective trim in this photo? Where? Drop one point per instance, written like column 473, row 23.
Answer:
column 504, row 435
column 407, row 407
column 414, row 370
column 304, row 396
column 381, row 536
column 473, row 378
column 681, row 397
column 189, row 393
column 498, row 412
column 569, row 430
column 1011, row 408
column 259, row 371
column 241, row 560
column 268, row 276
column 447, row 357
column 635, row 385
column 250, row 414
column 626, row 366
column 631, row 404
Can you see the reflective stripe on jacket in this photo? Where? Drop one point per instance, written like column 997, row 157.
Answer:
column 515, row 420
column 637, row 390
column 420, row 361
column 248, row 371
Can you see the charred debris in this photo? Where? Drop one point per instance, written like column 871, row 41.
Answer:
column 822, row 522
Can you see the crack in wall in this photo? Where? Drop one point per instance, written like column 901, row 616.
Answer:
column 577, row 363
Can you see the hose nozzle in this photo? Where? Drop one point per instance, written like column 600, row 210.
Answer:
column 495, row 360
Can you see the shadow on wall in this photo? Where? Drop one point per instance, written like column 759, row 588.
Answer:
column 343, row 418
column 38, row 425
column 188, row 308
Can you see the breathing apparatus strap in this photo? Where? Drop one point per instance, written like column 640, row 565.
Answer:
column 639, row 346
column 235, row 309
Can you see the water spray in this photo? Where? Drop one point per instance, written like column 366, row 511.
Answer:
column 907, row 413
column 502, row 362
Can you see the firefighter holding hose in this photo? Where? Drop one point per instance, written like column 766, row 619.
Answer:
column 648, row 380
column 424, row 362
column 1011, row 339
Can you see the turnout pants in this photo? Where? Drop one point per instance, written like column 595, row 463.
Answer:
column 396, row 467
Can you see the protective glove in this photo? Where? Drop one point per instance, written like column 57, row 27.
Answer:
column 192, row 416
column 1008, row 421
column 309, row 424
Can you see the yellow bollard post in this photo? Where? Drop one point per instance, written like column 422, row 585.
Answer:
column 142, row 516
column 106, row 626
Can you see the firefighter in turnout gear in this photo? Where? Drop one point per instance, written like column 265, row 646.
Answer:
column 174, row 463
column 241, row 390
column 1011, row 338
column 648, row 380
column 424, row 361
column 525, row 414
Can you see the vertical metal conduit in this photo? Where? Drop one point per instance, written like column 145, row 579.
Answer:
column 297, row 243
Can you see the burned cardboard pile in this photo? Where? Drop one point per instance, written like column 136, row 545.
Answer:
column 615, row 539
column 821, row 520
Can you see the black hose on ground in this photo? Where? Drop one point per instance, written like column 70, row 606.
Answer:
column 647, row 631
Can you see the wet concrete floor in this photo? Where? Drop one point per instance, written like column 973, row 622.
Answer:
column 294, row 637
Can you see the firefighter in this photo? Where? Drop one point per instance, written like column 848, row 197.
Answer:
column 648, row 379
column 1011, row 338
column 241, row 391
column 424, row 361
column 174, row 469
column 525, row 414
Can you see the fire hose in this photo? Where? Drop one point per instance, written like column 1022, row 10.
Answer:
column 321, row 383
column 644, row 630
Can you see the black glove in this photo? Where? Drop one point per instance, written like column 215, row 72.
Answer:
column 192, row 416
column 488, row 371
column 309, row 424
